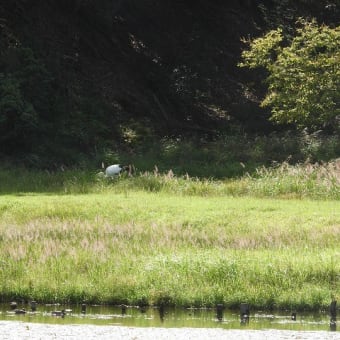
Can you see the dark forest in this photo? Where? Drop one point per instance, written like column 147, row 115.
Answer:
column 80, row 76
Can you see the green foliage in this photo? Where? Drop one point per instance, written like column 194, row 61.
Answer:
column 304, row 74
column 38, row 126
column 25, row 101
column 17, row 117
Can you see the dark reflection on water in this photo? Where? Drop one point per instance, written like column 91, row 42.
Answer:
column 166, row 317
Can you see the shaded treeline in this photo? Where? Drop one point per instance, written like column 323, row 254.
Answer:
column 82, row 76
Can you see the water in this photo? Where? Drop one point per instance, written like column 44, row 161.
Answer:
column 169, row 318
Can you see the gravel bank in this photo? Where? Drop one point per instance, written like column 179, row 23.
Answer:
column 14, row 330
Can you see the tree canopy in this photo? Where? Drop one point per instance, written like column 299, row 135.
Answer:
column 303, row 74
column 79, row 77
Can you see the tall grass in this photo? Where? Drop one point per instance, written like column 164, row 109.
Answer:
column 263, row 232
column 314, row 181
column 228, row 156
column 297, row 164
column 185, row 250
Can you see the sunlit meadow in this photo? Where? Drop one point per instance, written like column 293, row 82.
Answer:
column 271, row 239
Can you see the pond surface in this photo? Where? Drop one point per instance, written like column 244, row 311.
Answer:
column 169, row 318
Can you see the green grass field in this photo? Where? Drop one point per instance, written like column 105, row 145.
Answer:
column 185, row 242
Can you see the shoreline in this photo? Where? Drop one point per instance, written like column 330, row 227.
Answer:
column 12, row 330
